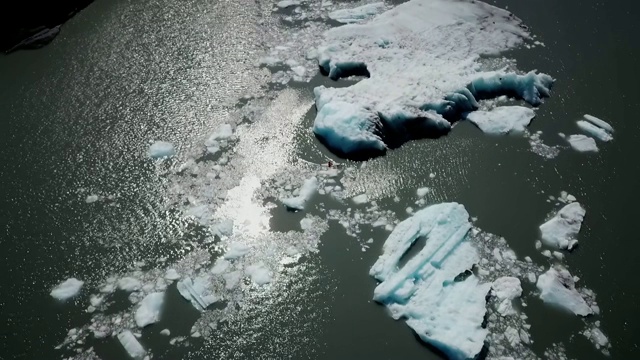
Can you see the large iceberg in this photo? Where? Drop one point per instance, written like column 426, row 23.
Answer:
column 444, row 308
column 67, row 289
column 562, row 229
column 421, row 60
column 557, row 287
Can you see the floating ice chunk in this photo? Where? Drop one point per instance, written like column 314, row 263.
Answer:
column 306, row 224
column 502, row 120
column 597, row 337
column 92, row 198
column 288, row 3
column 582, row 143
column 236, row 250
column 594, row 131
column 557, row 287
column 232, row 279
column 165, row 332
column 259, row 273
column 149, row 310
column 221, row 265
column 561, row 230
column 197, row 291
column 299, row 70
column 506, row 289
column 225, row 131
column 393, row 105
column 95, row 300
column 421, row 192
column 599, row 122
column 444, row 311
column 161, row 149
column 129, row 284
column 223, row 228
column 358, row 14
column 360, row 199
column 309, row 187
column 270, row 61
column 131, row 345
column 67, row 289
column 171, row 274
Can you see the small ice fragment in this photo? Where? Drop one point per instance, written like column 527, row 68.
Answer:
column 259, row 273
column 236, row 250
column 223, row 228
column 531, row 277
column 165, row 332
column 288, row 3
column 599, row 122
column 307, row 190
column 597, row 337
column 67, row 289
column 358, row 14
column 92, row 198
column 224, row 132
column 561, row 230
column 161, row 149
column 421, row 192
column 129, row 284
column 95, row 300
column 503, row 119
column 558, row 255
column 149, row 310
column 557, row 287
column 299, row 70
column 582, row 143
column 197, row 291
column 171, row 274
column 432, row 175
column 131, row 345
column 506, row 289
column 594, row 131
column 360, row 199
column 220, row 266
column 306, row 224
column 270, row 61
column 232, row 279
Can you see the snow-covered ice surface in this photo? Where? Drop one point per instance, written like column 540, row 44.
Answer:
column 67, row 289
column 562, row 229
column 393, row 105
column 357, row 14
column 582, row 143
column 161, row 149
column 503, row 119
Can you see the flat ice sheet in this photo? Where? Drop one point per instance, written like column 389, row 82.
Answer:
column 582, row 143
column 563, row 228
column 503, row 119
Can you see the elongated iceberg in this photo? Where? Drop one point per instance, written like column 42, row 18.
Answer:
column 421, row 60
column 443, row 309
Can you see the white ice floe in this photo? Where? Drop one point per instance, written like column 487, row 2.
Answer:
column 197, row 291
column 161, row 149
column 237, row 250
column 288, row 3
column 172, row 274
column 149, row 309
column 422, row 192
column 597, row 337
column 129, row 284
column 421, row 59
column 357, row 14
column 360, row 199
column 309, row 187
column 582, row 143
column 217, row 139
column 259, row 273
column 595, row 131
column 503, row 119
column 562, row 229
column 506, row 289
column 131, row 345
column 67, row 289
column 557, row 287
column 223, row 228
column 92, row 198
column 599, row 122
column 444, row 311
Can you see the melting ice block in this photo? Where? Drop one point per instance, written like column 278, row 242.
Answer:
column 421, row 60
column 595, row 131
column 582, row 143
column 131, row 345
column 502, row 120
column 307, row 190
column 149, row 310
column 358, row 14
column 67, row 289
column 198, row 291
column 557, row 287
column 161, row 149
column 442, row 309
column 506, row 289
column 562, row 229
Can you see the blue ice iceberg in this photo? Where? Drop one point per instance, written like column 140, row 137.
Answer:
column 443, row 308
column 423, row 74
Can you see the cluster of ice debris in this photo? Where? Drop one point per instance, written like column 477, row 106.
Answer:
column 595, row 128
column 462, row 278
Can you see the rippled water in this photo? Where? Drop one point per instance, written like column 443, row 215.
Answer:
column 78, row 117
